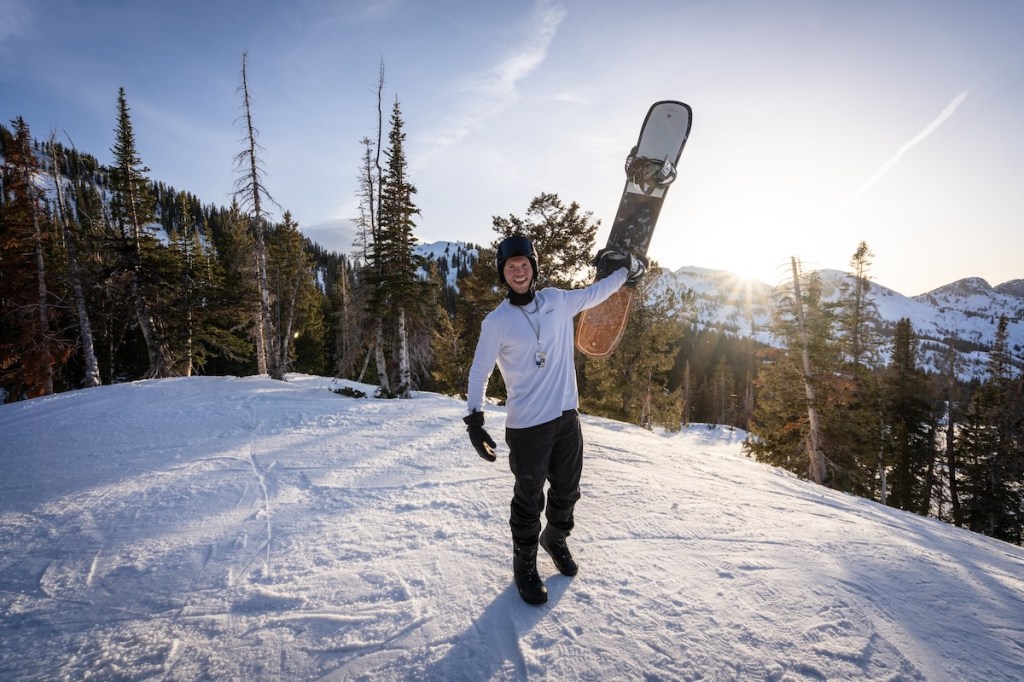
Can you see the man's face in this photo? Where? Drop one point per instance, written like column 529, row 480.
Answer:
column 518, row 273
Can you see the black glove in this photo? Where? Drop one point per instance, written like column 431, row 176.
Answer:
column 608, row 261
column 481, row 440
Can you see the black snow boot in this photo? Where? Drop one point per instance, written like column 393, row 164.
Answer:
column 553, row 542
column 524, row 568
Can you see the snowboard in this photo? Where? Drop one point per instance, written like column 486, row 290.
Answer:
column 650, row 170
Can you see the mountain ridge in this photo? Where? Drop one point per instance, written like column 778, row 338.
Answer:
column 962, row 314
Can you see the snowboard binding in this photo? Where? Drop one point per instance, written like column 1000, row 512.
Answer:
column 649, row 174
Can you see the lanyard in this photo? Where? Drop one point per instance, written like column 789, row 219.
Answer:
column 539, row 358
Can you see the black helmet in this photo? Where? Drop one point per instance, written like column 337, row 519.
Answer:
column 516, row 245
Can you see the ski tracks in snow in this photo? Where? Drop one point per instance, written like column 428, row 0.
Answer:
column 262, row 530
column 733, row 577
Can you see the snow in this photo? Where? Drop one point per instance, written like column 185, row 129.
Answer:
column 452, row 253
column 248, row 529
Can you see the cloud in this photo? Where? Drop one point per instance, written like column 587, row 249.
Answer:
column 895, row 158
column 494, row 89
column 500, row 82
column 337, row 234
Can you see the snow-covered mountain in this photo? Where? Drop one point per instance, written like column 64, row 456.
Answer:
column 218, row 528
column 964, row 313
column 452, row 259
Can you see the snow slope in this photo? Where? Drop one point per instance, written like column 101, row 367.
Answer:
column 246, row 529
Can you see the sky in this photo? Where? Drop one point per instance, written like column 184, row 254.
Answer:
column 817, row 125
column 224, row 528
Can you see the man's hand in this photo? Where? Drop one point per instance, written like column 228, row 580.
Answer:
column 608, row 261
column 480, row 439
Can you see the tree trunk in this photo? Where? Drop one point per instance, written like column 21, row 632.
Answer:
column 273, row 367
column 883, row 492
column 366, row 361
column 92, row 365
column 266, row 356
column 929, row 478
column 382, row 369
column 375, row 216
column 43, row 308
column 341, row 336
column 189, row 343
column 951, row 464
column 158, row 360
column 404, row 371
column 287, row 324
column 687, row 397
column 816, row 469
column 261, row 340
column 157, row 364
column 647, row 411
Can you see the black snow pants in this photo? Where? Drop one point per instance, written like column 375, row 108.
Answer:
column 551, row 452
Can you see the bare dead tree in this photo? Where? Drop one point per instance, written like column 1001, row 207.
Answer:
column 251, row 191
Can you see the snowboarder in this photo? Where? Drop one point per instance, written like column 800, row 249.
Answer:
column 530, row 337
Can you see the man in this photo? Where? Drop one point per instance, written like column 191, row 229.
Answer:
column 530, row 337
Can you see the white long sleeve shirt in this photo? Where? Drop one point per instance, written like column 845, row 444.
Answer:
column 512, row 336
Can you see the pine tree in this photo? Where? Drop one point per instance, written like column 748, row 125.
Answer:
column 399, row 289
column 724, row 393
column 562, row 235
column 858, row 312
column 686, row 386
column 632, row 383
column 349, row 320
column 101, row 248
column 132, row 212
column 290, row 278
column 952, row 394
column 398, row 301
column 797, row 384
column 835, row 417
column 909, row 425
column 991, row 446
column 228, row 334
column 186, row 252
column 370, row 208
column 479, row 294
column 447, row 370
column 206, row 310
column 29, row 346
column 812, row 375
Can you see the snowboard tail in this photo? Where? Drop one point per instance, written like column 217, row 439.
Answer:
column 653, row 159
column 601, row 328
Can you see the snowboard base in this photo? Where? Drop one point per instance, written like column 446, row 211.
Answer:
column 601, row 328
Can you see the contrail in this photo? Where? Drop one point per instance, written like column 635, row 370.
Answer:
column 494, row 89
column 895, row 158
